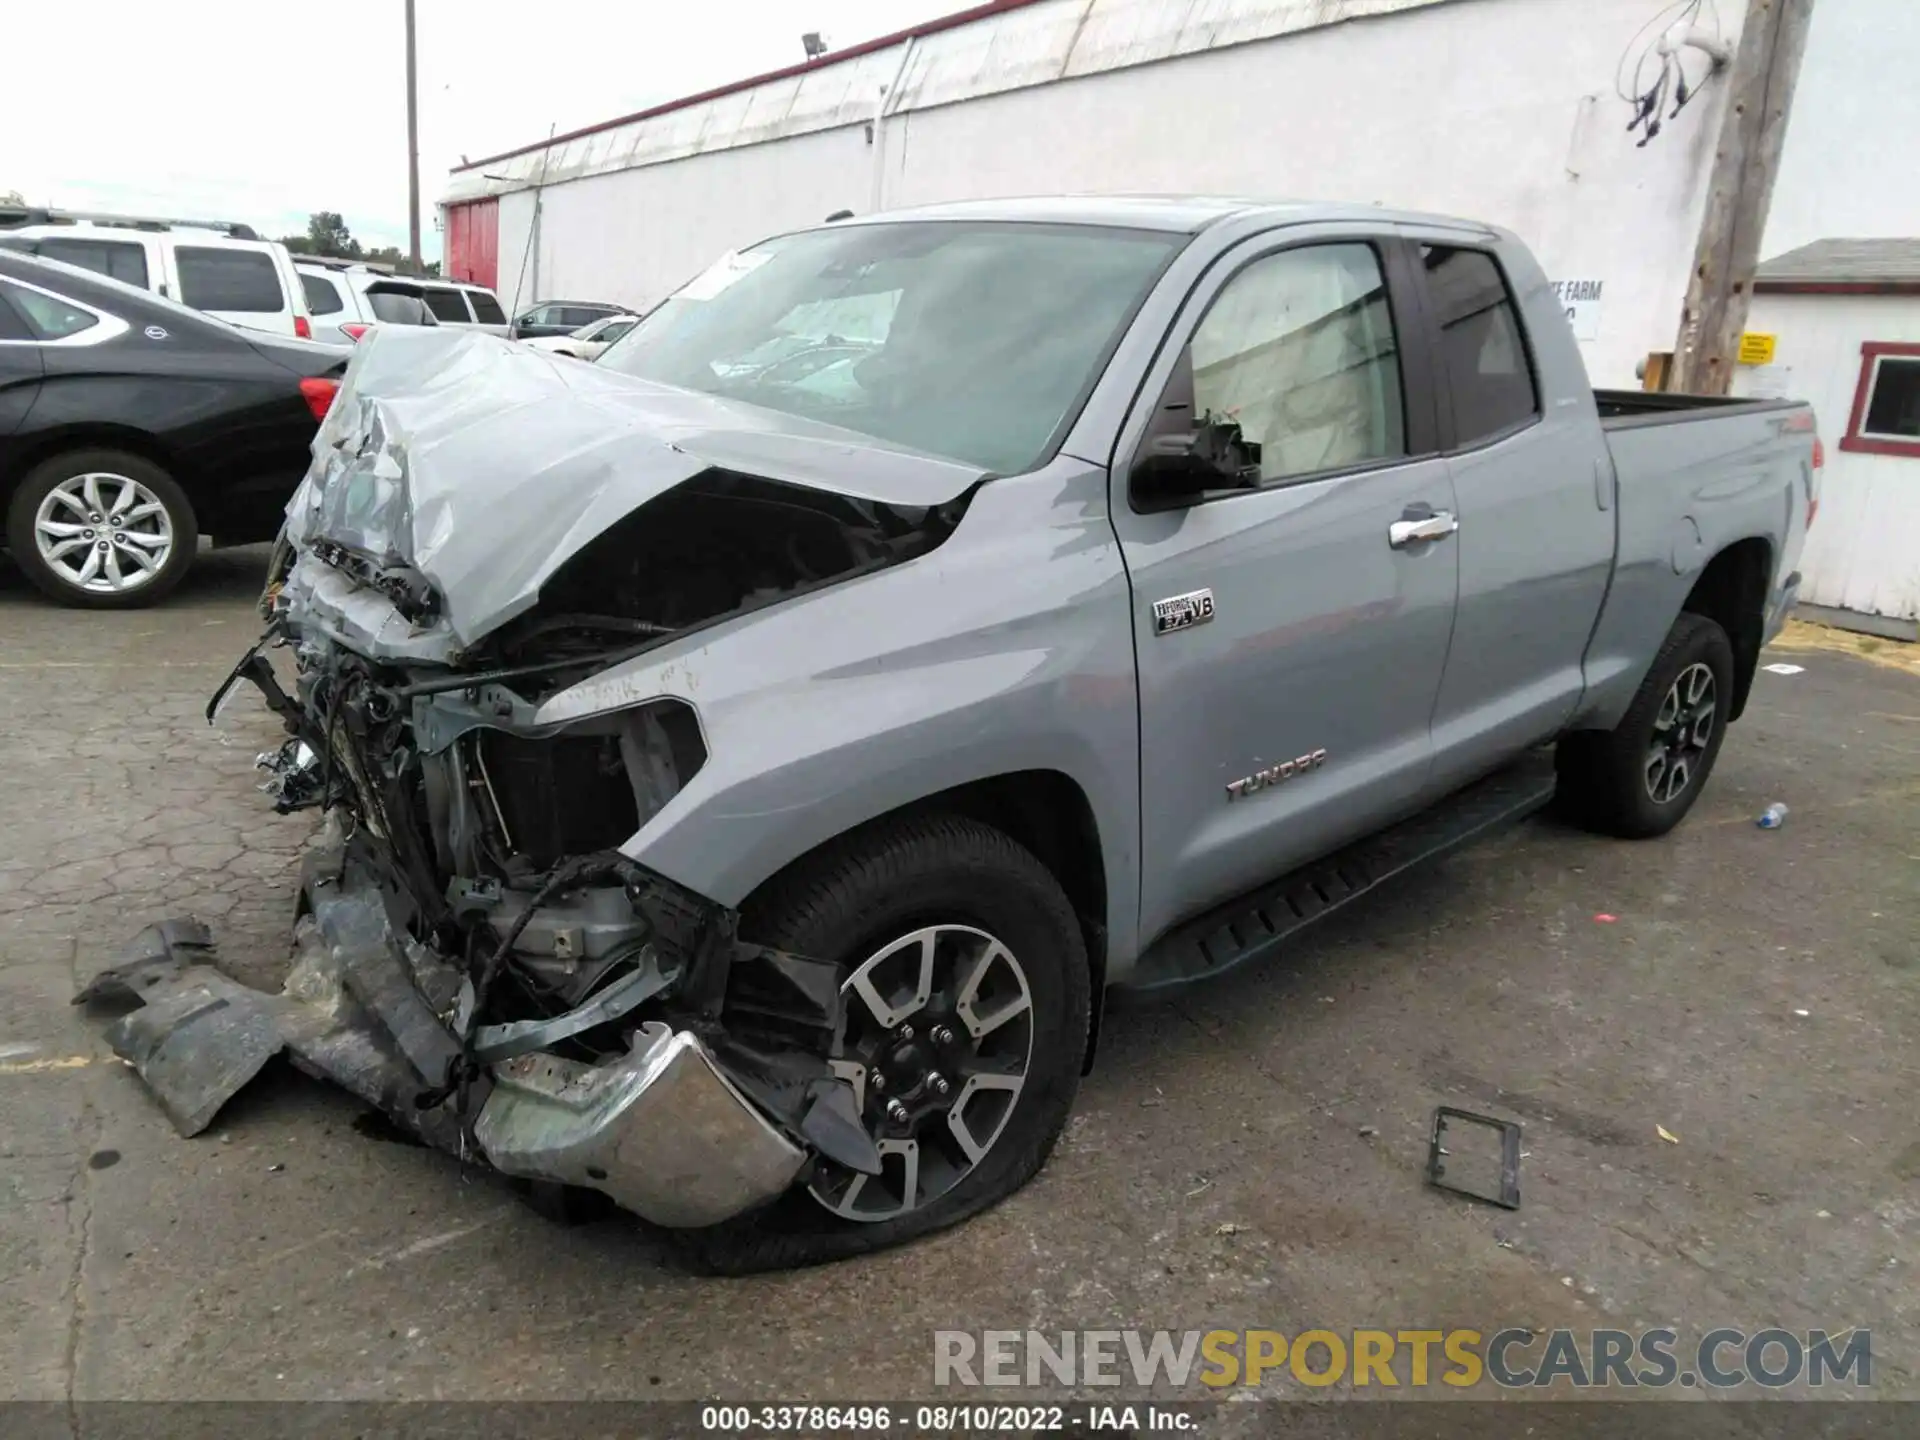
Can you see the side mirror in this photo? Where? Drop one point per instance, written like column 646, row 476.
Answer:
column 1181, row 467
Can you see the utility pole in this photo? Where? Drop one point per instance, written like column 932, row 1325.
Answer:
column 1753, row 130
column 413, row 154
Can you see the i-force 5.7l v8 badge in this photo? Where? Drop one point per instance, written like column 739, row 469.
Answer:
column 1182, row 612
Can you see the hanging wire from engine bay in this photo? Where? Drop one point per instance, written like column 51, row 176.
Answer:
column 466, row 1067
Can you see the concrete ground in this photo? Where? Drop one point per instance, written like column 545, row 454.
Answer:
column 1251, row 1156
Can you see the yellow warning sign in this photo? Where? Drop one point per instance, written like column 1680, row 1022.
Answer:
column 1757, row 349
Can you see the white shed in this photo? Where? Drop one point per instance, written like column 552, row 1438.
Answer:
column 1842, row 319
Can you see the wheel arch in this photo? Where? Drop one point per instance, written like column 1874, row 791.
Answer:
column 1046, row 811
column 1732, row 592
column 36, row 450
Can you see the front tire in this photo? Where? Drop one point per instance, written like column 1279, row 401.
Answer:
column 102, row 530
column 968, row 994
column 1640, row 778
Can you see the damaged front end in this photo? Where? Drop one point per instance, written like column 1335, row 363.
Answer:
column 473, row 953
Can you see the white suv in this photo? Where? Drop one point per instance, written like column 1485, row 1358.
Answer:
column 458, row 302
column 348, row 299
column 222, row 268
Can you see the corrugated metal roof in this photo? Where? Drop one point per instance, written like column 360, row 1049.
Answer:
column 992, row 48
column 1845, row 262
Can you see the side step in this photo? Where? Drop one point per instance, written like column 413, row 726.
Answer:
column 1258, row 925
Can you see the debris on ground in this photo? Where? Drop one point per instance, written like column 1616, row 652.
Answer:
column 1780, row 668
column 1488, row 1171
column 1803, row 1014
column 1603, row 918
column 1367, row 1132
column 1772, row 816
column 1666, row 1134
column 1228, row 1228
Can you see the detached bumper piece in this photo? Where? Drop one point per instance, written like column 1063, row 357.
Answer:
column 662, row 1131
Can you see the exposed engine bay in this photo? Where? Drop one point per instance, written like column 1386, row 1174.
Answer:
column 473, row 953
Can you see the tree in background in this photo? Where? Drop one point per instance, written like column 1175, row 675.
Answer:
column 327, row 234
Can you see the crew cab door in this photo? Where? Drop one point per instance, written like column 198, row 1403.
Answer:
column 1290, row 633
column 1535, row 494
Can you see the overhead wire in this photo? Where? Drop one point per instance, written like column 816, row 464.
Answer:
column 1648, row 92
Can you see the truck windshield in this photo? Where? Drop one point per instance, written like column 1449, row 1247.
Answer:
column 968, row 340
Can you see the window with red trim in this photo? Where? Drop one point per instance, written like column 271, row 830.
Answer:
column 1886, row 404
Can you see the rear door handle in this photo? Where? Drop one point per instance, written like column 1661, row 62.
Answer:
column 1437, row 526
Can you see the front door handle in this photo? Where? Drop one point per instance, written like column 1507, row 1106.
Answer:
column 1437, row 526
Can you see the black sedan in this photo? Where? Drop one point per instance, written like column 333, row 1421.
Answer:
column 130, row 426
column 561, row 317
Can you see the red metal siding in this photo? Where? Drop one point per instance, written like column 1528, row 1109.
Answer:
column 473, row 242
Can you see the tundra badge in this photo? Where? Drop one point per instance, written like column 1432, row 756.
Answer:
column 1182, row 612
column 1275, row 774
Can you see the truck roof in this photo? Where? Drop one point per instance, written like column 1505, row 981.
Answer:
column 1186, row 214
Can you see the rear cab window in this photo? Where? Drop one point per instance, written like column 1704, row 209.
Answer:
column 447, row 305
column 229, row 278
column 1483, row 349
column 486, row 309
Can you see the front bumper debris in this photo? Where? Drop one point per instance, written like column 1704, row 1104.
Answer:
column 661, row 1131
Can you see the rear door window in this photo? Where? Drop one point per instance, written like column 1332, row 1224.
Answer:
column 448, row 307
column 1482, row 345
column 486, row 309
column 123, row 260
column 48, row 316
column 323, row 296
column 216, row 278
column 394, row 308
column 12, row 327
column 574, row 316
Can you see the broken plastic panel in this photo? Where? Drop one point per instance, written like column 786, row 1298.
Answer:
column 1475, row 1155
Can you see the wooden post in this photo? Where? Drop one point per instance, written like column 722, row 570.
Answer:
column 413, row 155
column 1753, row 130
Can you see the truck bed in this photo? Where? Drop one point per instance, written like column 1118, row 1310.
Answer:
column 1620, row 409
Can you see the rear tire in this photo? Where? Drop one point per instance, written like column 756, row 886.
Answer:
column 859, row 899
column 1640, row 778
column 57, row 538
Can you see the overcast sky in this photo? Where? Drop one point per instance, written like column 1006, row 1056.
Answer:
column 259, row 111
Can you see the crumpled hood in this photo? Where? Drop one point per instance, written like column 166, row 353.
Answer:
column 485, row 465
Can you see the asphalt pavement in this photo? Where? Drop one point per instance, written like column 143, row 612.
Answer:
column 1249, row 1156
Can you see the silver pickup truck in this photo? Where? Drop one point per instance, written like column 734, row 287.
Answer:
column 749, row 760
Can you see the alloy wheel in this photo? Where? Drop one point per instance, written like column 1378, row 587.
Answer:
column 939, row 1040
column 1682, row 732
column 104, row 533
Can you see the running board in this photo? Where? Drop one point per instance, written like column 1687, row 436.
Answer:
column 1259, row 925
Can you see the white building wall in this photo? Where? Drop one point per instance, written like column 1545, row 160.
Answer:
column 1500, row 110
column 1863, row 553
column 1853, row 144
column 634, row 236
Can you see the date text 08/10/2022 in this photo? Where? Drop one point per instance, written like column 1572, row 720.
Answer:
column 944, row 1419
